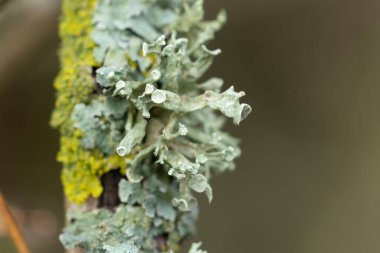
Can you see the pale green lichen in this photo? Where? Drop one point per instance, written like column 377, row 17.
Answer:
column 145, row 215
column 148, row 104
column 195, row 248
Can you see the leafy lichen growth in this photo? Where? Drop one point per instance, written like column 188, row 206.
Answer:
column 130, row 97
column 145, row 216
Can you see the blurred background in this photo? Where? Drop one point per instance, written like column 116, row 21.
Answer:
column 309, row 177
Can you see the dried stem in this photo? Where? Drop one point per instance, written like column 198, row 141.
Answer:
column 11, row 225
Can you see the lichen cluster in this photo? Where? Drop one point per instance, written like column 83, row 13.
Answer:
column 131, row 98
column 75, row 84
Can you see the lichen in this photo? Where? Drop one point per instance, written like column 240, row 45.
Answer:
column 83, row 168
column 130, row 98
column 75, row 84
column 145, row 216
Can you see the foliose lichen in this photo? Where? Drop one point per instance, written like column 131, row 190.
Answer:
column 131, row 98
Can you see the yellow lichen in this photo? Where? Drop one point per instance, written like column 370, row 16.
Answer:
column 82, row 168
column 74, row 83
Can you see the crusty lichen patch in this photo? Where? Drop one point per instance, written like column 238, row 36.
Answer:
column 75, row 84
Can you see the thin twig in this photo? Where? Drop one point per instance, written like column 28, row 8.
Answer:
column 11, row 225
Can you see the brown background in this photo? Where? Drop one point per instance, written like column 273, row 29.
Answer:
column 309, row 178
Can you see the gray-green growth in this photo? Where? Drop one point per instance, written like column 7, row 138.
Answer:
column 153, row 109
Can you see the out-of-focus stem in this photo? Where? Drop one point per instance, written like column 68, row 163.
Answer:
column 12, row 227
